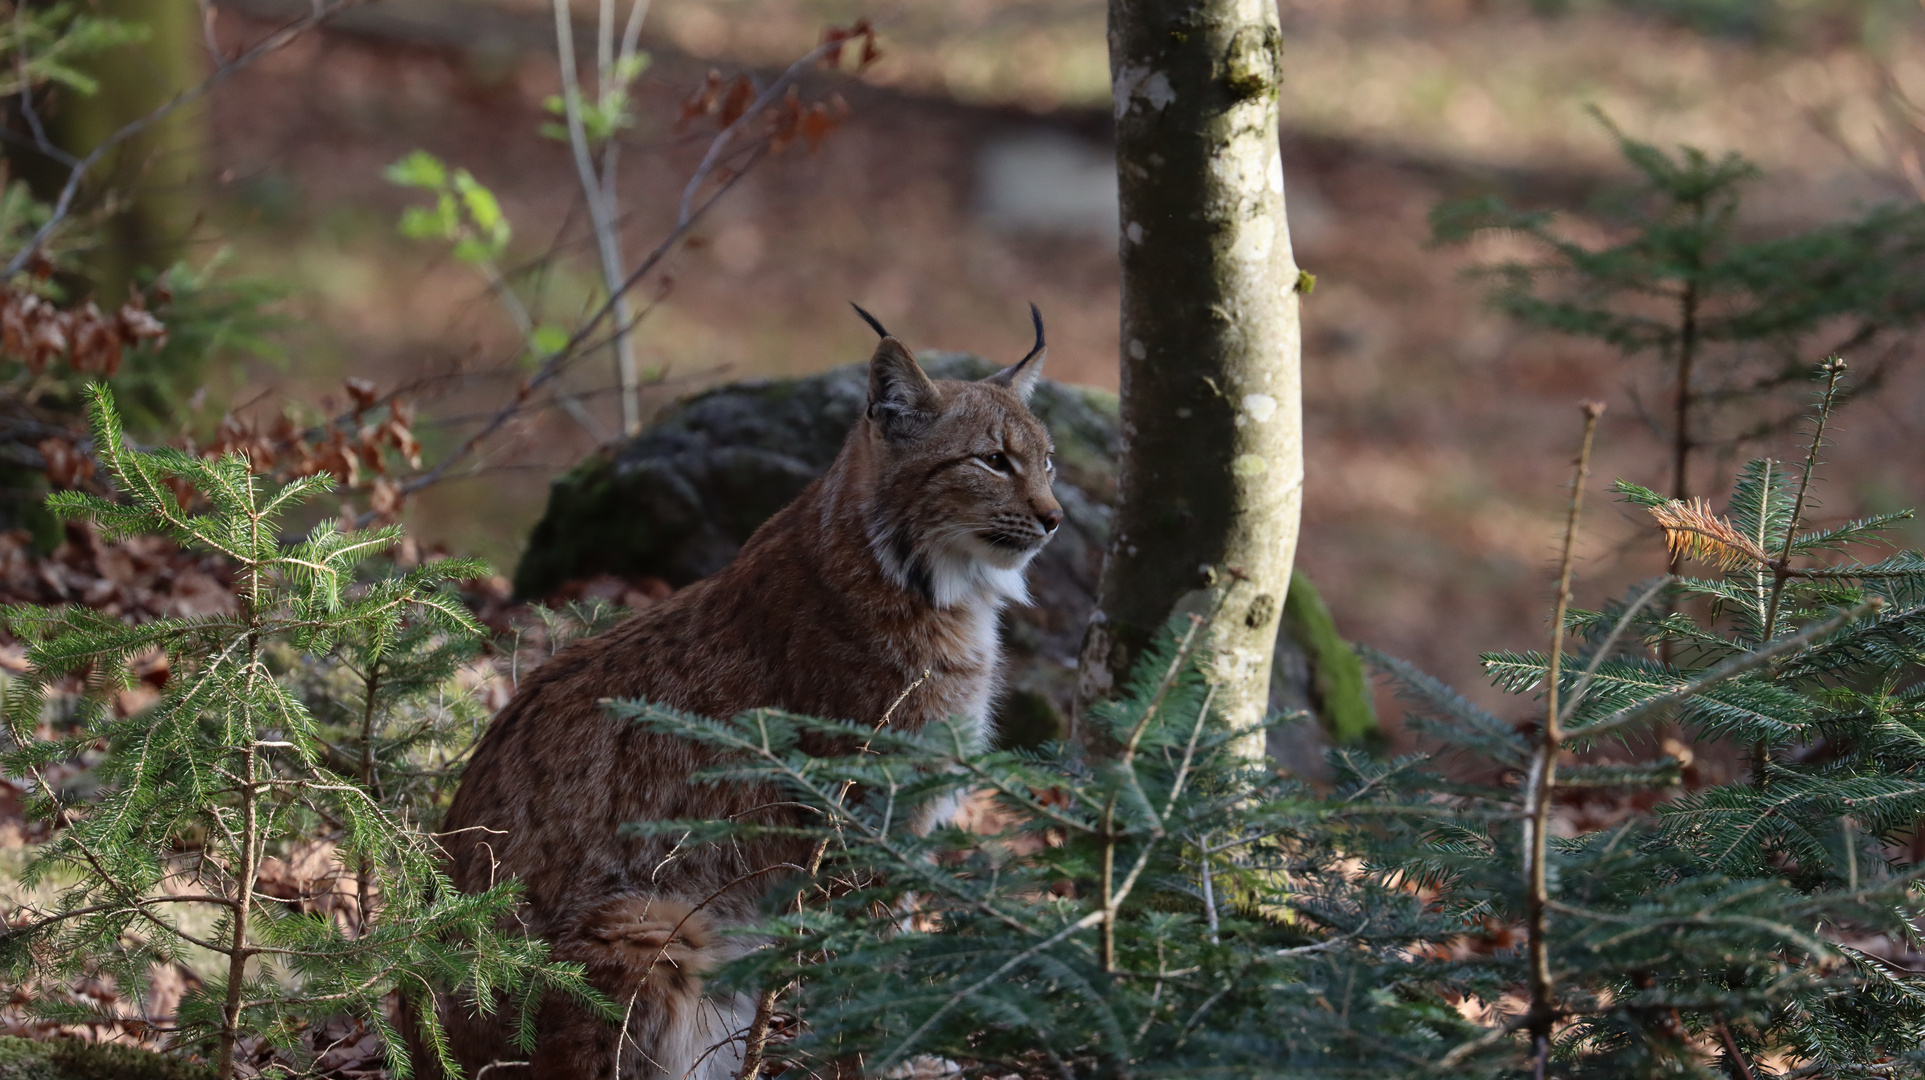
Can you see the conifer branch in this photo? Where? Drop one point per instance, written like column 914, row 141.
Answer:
column 907, row 1044
column 1604, row 649
column 1125, row 761
column 756, row 1037
column 215, row 774
column 1732, row 668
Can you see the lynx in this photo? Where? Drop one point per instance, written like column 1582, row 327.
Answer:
column 894, row 564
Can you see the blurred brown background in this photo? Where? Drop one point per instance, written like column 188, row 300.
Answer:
column 973, row 175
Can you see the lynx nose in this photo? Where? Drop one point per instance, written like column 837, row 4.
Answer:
column 1050, row 518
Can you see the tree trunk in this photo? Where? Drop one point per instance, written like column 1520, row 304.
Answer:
column 157, row 173
column 1212, row 480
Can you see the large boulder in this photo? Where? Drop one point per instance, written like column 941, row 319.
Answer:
column 677, row 501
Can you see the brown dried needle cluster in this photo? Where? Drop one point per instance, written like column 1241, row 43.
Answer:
column 1691, row 530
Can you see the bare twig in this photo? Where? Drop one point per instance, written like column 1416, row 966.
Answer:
column 903, row 1046
column 1834, row 370
column 556, row 364
column 684, row 213
column 1465, row 1049
column 688, row 213
column 1734, row 1057
column 1543, row 774
column 27, row 108
column 757, row 1036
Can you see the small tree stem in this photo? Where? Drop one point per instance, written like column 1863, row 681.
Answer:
column 364, row 869
column 1543, row 775
column 756, row 1039
column 1681, row 445
column 237, row 940
column 1834, row 370
column 1209, row 891
column 1734, row 1056
column 1109, row 888
column 249, row 838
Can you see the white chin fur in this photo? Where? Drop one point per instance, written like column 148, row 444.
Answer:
column 966, row 571
column 975, row 572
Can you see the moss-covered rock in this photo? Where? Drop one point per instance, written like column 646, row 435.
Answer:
column 76, row 1059
column 678, row 500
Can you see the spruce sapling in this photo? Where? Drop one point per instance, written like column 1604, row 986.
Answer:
column 1730, row 317
column 161, row 864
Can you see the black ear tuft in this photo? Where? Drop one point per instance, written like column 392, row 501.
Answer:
column 1020, row 377
column 870, row 319
column 901, row 396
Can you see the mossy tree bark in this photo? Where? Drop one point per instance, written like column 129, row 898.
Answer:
column 156, row 174
column 1211, row 488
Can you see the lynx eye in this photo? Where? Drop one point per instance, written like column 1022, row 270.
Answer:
column 998, row 461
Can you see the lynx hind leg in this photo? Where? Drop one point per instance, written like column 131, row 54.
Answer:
column 648, row 953
column 476, row 1040
column 420, row 1056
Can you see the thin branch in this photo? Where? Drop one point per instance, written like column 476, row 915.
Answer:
column 599, row 195
column 556, row 364
column 1834, row 370
column 683, row 214
column 1465, row 1049
column 1543, row 775
column 1740, row 1068
column 27, row 109
column 687, row 215
column 676, row 930
column 908, row 1041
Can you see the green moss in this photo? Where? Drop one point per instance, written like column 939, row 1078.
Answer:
column 23, row 1060
column 1337, row 676
column 76, row 1059
column 1026, row 720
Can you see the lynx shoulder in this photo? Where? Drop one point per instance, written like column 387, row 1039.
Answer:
column 894, row 564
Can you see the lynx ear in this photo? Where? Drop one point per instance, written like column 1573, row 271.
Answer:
column 901, row 397
column 1020, row 377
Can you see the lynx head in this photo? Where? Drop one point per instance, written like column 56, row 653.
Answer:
column 961, row 499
